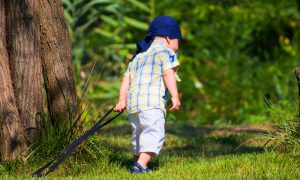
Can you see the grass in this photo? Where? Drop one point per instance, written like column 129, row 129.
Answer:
column 287, row 137
column 190, row 152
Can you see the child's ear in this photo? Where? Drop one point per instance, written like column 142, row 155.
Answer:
column 168, row 40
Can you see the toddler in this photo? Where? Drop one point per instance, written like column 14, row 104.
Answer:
column 149, row 78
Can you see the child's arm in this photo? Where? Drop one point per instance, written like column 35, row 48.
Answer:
column 123, row 94
column 170, row 81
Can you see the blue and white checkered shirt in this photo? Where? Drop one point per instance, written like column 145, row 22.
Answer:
column 147, row 89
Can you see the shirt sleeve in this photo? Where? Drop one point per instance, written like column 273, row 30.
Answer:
column 168, row 60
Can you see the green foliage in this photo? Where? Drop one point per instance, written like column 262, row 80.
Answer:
column 234, row 56
column 102, row 31
column 287, row 138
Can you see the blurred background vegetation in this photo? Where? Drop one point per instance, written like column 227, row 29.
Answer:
column 236, row 56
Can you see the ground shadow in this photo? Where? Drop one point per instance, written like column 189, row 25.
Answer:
column 190, row 141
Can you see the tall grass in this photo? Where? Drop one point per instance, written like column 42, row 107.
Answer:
column 53, row 138
column 287, row 136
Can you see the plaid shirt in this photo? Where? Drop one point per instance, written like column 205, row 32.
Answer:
column 147, row 89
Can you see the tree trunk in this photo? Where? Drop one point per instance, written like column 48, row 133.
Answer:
column 12, row 141
column 297, row 73
column 34, row 39
column 57, row 61
column 23, row 34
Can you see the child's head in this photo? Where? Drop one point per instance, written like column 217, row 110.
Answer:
column 172, row 43
column 161, row 27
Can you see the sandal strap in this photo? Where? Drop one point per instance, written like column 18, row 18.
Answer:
column 138, row 165
column 132, row 170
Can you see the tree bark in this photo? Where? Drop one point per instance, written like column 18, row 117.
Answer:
column 297, row 73
column 12, row 140
column 23, row 34
column 57, row 61
column 34, row 43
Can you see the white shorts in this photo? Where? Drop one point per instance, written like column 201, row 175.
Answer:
column 148, row 131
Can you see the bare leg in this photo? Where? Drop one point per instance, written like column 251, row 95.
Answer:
column 144, row 158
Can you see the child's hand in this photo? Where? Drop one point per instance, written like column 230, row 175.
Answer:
column 121, row 106
column 176, row 104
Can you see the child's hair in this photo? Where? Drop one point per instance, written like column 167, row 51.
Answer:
column 164, row 26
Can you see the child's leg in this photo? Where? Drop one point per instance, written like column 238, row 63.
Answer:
column 152, row 136
column 145, row 158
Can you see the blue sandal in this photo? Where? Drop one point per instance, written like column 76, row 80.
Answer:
column 140, row 169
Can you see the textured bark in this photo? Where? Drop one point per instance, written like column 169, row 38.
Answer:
column 12, row 141
column 23, row 33
column 57, row 61
column 34, row 39
column 297, row 73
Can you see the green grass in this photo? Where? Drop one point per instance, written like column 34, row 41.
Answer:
column 190, row 152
